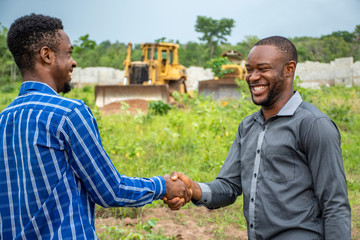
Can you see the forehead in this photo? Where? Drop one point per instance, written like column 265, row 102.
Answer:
column 264, row 54
column 64, row 39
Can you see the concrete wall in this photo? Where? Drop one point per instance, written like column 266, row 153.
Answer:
column 196, row 74
column 342, row 71
column 97, row 75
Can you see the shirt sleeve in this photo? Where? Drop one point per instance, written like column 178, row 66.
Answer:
column 92, row 165
column 322, row 145
column 225, row 189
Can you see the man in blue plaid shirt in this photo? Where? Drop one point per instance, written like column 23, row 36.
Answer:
column 53, row 168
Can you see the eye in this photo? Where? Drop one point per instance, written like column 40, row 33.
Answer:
column 249, row 70
column 263, row 69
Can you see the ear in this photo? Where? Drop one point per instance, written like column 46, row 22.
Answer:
column 46, row 54
column 290, row 69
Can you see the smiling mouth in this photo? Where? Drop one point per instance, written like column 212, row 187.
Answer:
column 259, row 88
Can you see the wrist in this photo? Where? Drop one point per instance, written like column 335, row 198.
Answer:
column 196, row 191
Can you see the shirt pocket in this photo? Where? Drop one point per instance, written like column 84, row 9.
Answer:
column 279, row 167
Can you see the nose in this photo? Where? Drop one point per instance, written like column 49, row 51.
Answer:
column 74, row 64
column 253, row 76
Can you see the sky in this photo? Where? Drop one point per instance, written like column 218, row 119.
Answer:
column 139, row 21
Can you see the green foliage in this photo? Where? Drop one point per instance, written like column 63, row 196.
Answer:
column 159, row 107
column 7, row 88
column 7, row 94
column 339, row 113
column 214, row 31
column 327, row 48
column 88, row 54
column 193, row 54
column 8, row 70
column 85, row 44
column 215, row 65
column 357, row 33
column 143, row 231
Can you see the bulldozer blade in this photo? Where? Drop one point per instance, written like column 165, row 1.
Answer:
column 224, row 88
column 106, row 94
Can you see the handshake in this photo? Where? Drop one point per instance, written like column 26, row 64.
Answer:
column 180, row 189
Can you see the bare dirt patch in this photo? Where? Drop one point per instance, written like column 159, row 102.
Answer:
column 195, row 223
column 134, row 106
column 355, row 219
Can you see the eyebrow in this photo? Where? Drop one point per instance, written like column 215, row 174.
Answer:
column 259, row 64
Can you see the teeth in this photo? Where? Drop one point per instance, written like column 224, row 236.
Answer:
column 258, row 88
column 70, row 74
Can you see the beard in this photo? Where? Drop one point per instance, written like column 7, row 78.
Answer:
column 67, row 87
column 272, row 94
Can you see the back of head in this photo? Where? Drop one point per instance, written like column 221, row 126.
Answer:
column 28, row 34
column 286, row 47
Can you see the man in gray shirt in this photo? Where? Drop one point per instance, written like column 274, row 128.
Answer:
column 285, row 160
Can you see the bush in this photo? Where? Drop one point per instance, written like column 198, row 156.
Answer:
column 215, row 65
column 7, row 88
column 158, row 108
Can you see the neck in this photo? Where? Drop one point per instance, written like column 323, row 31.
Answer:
column 35, row 77
column 273, row 109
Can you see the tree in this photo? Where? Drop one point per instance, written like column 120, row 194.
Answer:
column 214, row 31
column 347, row 36
column 8, row 69
column 193, row 54
column 357, row 33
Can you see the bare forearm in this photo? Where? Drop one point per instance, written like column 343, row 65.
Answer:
column 196, row 191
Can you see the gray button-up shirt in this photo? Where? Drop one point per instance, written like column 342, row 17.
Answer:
column 290, row 171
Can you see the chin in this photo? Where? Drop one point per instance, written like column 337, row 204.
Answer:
column 67, row 87
column 261, row 101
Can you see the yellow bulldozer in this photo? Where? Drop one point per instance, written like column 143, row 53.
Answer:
column 155, row 77
column 226, row 87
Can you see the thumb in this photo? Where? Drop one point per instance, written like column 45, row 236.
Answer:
column 185, row 179
column 174, row 176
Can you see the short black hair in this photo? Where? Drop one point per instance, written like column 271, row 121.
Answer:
column 28, row 34
column 285, row 46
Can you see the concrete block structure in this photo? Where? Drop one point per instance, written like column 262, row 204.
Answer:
column 97, row 75
column 341, row 71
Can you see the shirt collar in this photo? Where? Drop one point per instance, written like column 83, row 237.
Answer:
column 31, row 86
column 287, row 110
column 290, row 106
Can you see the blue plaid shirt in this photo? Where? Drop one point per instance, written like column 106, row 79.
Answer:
column 53, row 169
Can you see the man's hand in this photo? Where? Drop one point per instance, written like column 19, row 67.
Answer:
column 177, row 203
column 176, row 189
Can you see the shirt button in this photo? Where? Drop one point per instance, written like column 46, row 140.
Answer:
column 205, row 200
column 254, row 175
column 251, row 225
column 252, row 199
column 263, row 128
column 258, row 151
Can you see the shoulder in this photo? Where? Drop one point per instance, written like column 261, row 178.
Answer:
column 313, row 120
column 309, row 110
column 76, row 108
column 308, row 113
